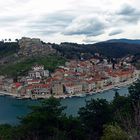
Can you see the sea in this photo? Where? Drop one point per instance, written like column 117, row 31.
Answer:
column 11, row 108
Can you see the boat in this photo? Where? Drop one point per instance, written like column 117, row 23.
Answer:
column 1, row 94
column 116, row 88
column 81, row 95
column 19, row 98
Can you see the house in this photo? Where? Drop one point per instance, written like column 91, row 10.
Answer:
column 89, row 85
column 38, row 89
column 30, row 81
column 73, row 88
column 57, row 88
column 16, row 87
column 69, row 89
column 115, row 79
column 7, row 84
column 136, row 74
column 59, row 74
column 46, row 73
column 99, row 84
column 38, row 72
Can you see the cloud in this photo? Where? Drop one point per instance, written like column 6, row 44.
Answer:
column 115, row 32
column 70, row 20
column 50, row 23
column 86, row 25
column 90, row 41
column 9, row 20
column 129, row 14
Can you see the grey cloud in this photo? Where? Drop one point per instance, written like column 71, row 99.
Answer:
column 9, row 19
column 12, row 20
column 127, row 10
column 115, row 32
column 50, row 24
column 89, row 26
column 128, row 14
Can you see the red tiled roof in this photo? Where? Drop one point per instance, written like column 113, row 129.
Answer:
column 38, row 86
column 17, row 84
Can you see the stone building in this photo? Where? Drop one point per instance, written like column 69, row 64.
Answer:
column 57, row 88
column 33, row 47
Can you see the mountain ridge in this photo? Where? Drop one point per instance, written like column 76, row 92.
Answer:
column 124, row 40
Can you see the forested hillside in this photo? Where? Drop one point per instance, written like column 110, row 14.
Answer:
column 117, row 50
column 8, row 48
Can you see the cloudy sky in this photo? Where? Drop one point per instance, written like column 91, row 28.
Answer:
column 81, row 21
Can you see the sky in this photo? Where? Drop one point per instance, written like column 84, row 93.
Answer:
column 80, row 21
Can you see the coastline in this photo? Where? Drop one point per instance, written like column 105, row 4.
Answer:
column 119, row 85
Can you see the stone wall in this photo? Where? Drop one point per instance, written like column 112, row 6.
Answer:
column 34, row 46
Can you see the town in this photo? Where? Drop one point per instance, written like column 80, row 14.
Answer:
column 75, row 78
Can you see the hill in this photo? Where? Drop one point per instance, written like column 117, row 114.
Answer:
column 50, row 62
column 19, row 56
column 8, row 48
column 107, row 49
column 124, row 40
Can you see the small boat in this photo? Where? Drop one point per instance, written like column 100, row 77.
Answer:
column 81, row 95
column 116, row 88
column 19, row 98
column 2, row 94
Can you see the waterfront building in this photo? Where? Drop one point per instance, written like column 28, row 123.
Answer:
column 73, row 88
column 57, row 88
column 40, row 89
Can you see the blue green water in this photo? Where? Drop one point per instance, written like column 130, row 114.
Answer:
column 11, row 108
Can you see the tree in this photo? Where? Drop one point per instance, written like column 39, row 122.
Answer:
column 114, row 132
column 94, row 115
column 6, row 132
column 43, row 121
column 48, row 122
column 134, row 91
column 127, row 112
column 16, row 40
column 122, row 105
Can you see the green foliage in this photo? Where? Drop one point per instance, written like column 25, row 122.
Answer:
column 6, row 132
column 94, row 115
column 114, row 133
column 8, row 48
column 134, row 91
column 122, row 105
column 46, row 121
column 50, row 62
column 118, row 50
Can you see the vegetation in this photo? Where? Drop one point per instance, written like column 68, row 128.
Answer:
column 94, row 115
column 117, row 49
column 50, row 62
column 98, row 120
column 114, row 132
column 8, row 48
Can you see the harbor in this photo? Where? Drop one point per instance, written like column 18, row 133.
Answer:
column 111, row 87
column 11, row 108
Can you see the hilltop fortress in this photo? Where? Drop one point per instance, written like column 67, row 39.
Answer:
column 34, row 46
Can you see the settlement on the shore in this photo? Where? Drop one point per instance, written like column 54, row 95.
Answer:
column 76, row 78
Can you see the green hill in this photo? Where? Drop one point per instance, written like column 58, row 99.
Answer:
column 50, row 62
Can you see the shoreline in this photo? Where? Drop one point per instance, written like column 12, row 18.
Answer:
column 98, row 91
